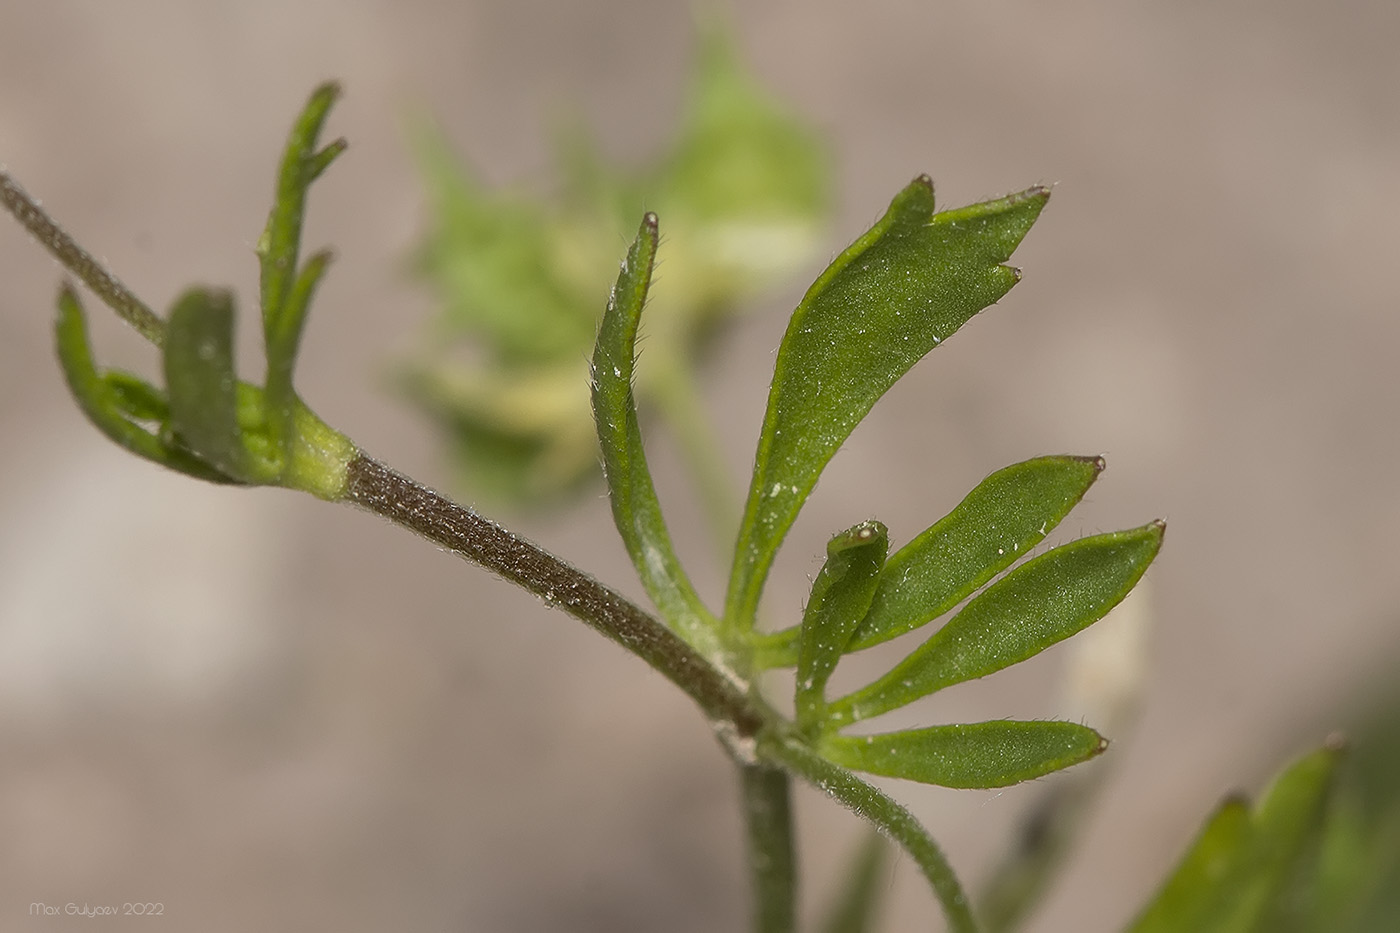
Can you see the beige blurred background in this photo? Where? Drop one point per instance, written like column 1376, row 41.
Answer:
column 268, row 713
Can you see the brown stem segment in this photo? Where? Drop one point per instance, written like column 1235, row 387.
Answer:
column 404, row 501
column 80, row 262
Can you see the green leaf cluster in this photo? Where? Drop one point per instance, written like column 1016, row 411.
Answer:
column 900, row 290
column 743, row 190
column 206, row 422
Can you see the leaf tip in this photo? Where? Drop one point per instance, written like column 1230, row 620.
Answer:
column 329, row 89
column 650, row 221
column 1096, row 461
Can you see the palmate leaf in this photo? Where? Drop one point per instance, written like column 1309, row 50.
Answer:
column 984, row 754
column 1040, row 603
column 1246, row 870
column 901, row 289
column 840, row 598
column 993, row 527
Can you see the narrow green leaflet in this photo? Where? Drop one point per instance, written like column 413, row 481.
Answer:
column 901, row 289
column 284, row 339
column 998, row 523
column 200, row 380
column 1245, row 871
column 636, row 510
column 840, row 598
column 993, row 527
column 108, row 402
column 983, row 754
column 1042, row 602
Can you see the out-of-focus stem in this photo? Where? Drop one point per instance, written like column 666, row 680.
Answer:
column 80, row 262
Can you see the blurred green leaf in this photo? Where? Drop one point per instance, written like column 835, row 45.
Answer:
column 746, row 180
column 858, row 900
column 200, row 380
column 286, row 287
column 1358, row 873
column 840, row 598
column 1044, row 601
column 284, row 339
column 984, row 754
column 110, row 403
column 905, row 286
column 636, row 510
column 994, row 526
column 498, row 262
column 136, row 398
column 1248, row 872
column 742, row 191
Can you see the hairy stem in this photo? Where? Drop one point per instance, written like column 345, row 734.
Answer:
column 878, row 808
column 772, row 864
column 386, row 492
column 80, row 262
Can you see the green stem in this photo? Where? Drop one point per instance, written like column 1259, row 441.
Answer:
column 772, row 865
column 80, row 262
column 878, row 808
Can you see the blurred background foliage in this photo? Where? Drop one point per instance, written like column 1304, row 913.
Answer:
column 522, row 279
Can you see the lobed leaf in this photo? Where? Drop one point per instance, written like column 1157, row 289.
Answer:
column 636, row 511
column 200, row 380
column 984, row 754
column 280, row 244
column 1038, row 604
column 901, row 289
column 1243, row 872
column 840, row 598
column 993, row 527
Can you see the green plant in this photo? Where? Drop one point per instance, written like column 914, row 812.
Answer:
column 897, row 292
